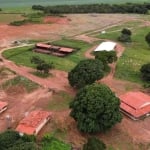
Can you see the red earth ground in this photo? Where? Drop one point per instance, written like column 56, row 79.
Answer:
column 21, row 102
column 58, row 20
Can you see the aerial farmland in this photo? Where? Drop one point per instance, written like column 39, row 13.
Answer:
column 44, row 60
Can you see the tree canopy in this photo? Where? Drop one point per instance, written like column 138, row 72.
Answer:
column 95, row 108
column 41, row 65
column 94, row 143
column 125, row 35
column 126, row 31
column 145, row 71
column 86, row 72
column 11, row 140
column 147, row 38
column 106, row 57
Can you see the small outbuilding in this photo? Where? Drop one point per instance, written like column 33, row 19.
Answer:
column 136, row 105
column 3, row 106
column 106, row 46
column 34, row 122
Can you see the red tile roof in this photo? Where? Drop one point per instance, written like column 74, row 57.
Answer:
column 42, row 45
column 136, row 104
column 3, row 104
column 29, row 124
column 65, row 49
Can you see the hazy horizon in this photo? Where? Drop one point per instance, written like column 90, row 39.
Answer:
column 28, row 3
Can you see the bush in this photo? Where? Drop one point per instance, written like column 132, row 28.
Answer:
column 94, row 144
column 145, row 71
column 124, row 38
column 147, row 38
column 126, row 31
column 19, row 23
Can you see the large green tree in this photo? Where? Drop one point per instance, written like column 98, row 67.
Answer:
column 125, row 35
column 94, row 143
column 147, row 38
column 95, row 108
column 11, row 140
column 145, row 71
column 86, row 72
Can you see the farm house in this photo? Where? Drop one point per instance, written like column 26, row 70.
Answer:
column 34, row 122
column 52, row 49
column 106, row 46
column 136, row 105
column 3, row 106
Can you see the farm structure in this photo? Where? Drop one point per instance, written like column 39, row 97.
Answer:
column 106, row 46
column 3, row 106
column 135, row 105
column 52, row 49
column 34, row 122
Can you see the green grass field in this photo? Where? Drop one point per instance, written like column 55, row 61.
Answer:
column 19, row 80
column 136, row 54
column 22, row 56
column 7, row 18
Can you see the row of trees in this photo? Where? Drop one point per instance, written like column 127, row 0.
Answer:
column 96, row 8
column 95, row 107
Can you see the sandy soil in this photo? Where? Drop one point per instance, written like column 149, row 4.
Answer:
column 20, row 104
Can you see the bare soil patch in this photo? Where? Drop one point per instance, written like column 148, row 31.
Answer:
column 70, row 25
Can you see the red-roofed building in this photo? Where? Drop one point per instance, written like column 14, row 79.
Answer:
column 3, row 106
column 43, row 45
column 52, row 49
column 66, row 50
column 34, row 122
column 135, row 104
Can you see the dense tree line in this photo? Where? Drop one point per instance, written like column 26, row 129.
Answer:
column 95, row 8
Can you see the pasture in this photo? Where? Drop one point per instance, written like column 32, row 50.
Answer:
column 22, row 56
column 136, row 53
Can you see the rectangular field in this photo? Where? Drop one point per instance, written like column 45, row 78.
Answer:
column 22, row 56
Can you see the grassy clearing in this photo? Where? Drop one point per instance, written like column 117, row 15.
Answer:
column 7, row 18
column 19, row 80
column 136, row 54
column 60, row 101
column 22, row 56
column 52, row 143
column 114, row 32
